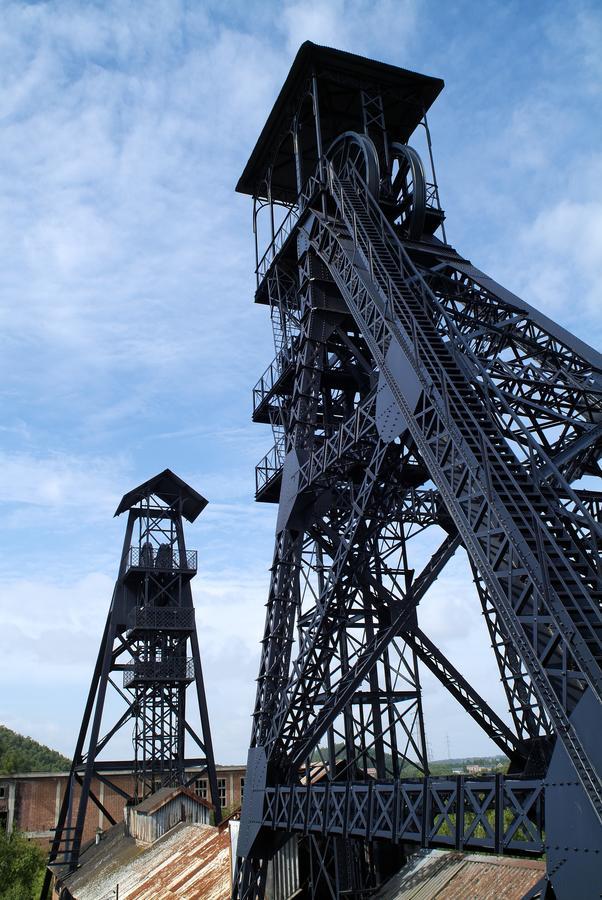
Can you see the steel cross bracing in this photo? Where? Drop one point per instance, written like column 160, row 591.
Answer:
column 150, row 641
column 530, row 718
column 410, row 395
column 514, row 527
column 403, row 622
column 358, row 615
column 430, row 811
column 301, row 665
column 310, row 464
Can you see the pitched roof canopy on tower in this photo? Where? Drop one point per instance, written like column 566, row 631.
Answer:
column 168, row 487
column 406, row 96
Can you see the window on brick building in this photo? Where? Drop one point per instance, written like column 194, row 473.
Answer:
column 221, row 791
column 2, row 792
column 242, row 789
column 200, row 788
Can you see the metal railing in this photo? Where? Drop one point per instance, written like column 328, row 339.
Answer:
column 499, row 814
column 172, row 669
column 164, row 617
column 403, row 294
column 432, row 198
column 163, row 558
column 269, row 467
column 272, row 374
column 312, row 185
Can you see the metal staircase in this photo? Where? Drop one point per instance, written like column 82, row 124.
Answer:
column 535, row 563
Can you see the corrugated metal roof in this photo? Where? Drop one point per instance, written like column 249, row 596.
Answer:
column 446, row 875
column 191, row 861
column 164, row 795
column 493, row 879
column 194, row 863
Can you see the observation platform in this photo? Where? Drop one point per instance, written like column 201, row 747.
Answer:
column 167, row 671
column 165, row 559
column 161, row 618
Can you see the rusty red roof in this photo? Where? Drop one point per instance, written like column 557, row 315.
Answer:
column 189, row 862
column 447, row 875
column 196, row 863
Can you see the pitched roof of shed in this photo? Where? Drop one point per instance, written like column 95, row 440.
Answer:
column 194, row 862
column 164, row 795
column 447, row 875
column 189, row 862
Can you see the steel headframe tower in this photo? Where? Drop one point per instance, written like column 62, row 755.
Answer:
column 150, row 641
column 418, row 408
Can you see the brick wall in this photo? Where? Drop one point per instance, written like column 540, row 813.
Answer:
column 38, row 799
column 37, row 803
column 229, row 783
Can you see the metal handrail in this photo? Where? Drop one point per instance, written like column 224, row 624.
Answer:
column 275, row 245
column 273, row 372
column 312, row 184
column 168, row 617
column 268, row 467
column 165, row 558
column 171, row 669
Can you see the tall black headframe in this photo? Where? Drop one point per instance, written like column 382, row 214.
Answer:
column 411, row 395
column 149, row 655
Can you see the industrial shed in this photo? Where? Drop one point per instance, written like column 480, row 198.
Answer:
column 447, row 875
column 165, row 848
column 189, row 862
column 164, row 809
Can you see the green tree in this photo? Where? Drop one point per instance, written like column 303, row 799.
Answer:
column 23, row 754
column 21, row 867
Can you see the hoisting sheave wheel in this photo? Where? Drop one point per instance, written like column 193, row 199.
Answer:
column 356, row 151
column 406, row 192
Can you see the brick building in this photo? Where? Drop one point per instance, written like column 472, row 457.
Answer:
column 31, row 801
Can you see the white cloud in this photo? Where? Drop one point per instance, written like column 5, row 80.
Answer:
column 60, row 481
column 556, row 258
column 50, row 628
column 119, row 158
column 129, row 337
column 571, row 230
column 357, row 25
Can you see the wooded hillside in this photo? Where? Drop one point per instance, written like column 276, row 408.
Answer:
column 23, row 754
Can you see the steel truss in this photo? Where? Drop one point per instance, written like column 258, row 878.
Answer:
column 150, row 641
column 417, row 407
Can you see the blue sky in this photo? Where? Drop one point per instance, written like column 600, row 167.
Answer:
column 129, row 338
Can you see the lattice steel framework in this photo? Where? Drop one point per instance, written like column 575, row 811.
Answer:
column 415, row 403
column 150, row 642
